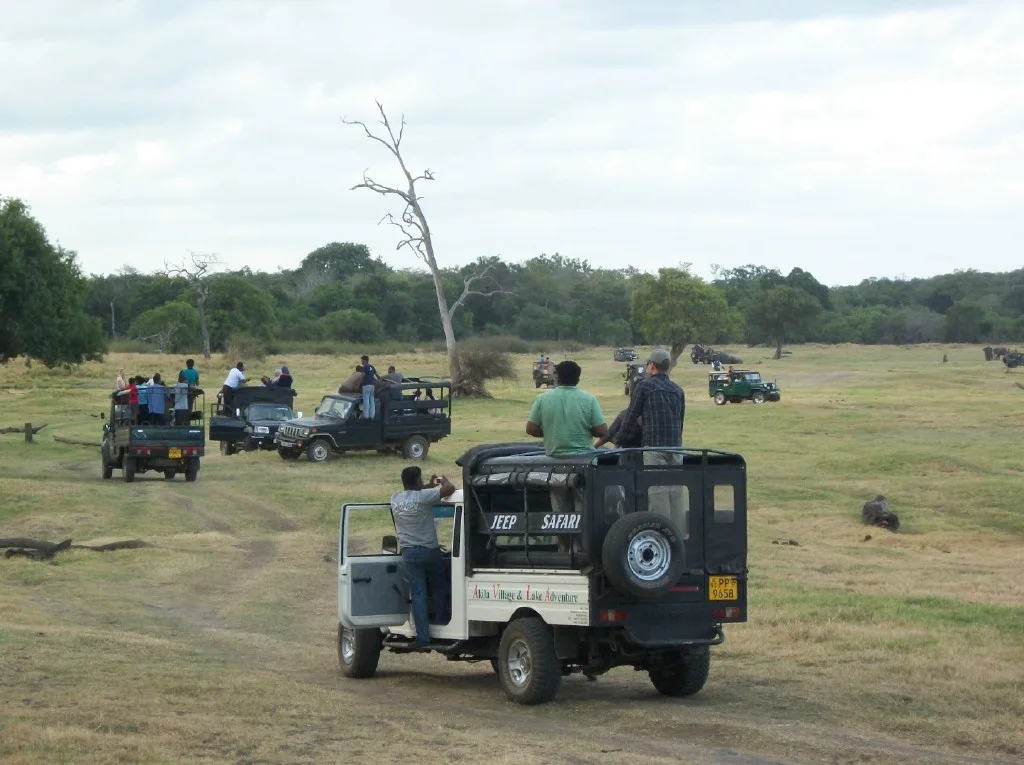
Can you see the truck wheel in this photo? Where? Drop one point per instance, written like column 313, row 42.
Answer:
column 170, row 473
column 318, row 450
column 757, row 397
column 685, row 678
column 643, row 555
column 358, row 651
column 415, row 448
column 192, row 469
column 720, row 398
column 536, row 383
column 249, row 444
column 287, row 454
column 227, row 448
column 108, row 469
column 130, row 466
column 528, row 669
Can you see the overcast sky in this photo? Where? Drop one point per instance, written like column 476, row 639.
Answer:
column 853, row 138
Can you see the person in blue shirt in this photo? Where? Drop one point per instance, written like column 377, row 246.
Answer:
column 157, row 400
column 369, row 387
column 190, row 372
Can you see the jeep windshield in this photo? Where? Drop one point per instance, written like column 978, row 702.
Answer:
column 753, row 377
column 272, row 412
column 334, row 407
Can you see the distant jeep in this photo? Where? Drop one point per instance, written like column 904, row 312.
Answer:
column 1013, row 359
column 624, row 354
column 544, row 374
column 739, row 385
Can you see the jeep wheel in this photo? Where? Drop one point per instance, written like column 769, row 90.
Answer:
column 720, row 398
column 318, row 450
column 130, row 466
column 685, row 678
column 227, row 448
column 192, row 469
column 757, row 397
column 358, row 651
column 287, row 454
column 415, row 448
column 170, row 473
column 643, row 555
column 249, row 444
column 528, row 669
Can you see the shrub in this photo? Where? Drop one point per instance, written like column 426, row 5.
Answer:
column 477, row 362
column 242, row 346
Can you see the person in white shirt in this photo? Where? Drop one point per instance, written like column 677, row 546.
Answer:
column 236, row 378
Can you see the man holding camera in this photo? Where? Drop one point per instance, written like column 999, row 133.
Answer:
column 413, row 511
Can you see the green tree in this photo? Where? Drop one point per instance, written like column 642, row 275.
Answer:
column 42, row 314
column 234, row 305
column 353, row 325
column 780, row 311
column 678, row 308
column 172, row 326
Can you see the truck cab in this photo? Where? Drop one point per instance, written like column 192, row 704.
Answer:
column 646, row 570
column 410, row 417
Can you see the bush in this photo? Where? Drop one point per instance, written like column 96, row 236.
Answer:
column 477, row 362
column 242, row 346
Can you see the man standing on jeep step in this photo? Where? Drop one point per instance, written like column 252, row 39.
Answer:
column 413, row 511
column 659, row 404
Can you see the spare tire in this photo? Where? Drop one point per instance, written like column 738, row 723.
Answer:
column 643, row 555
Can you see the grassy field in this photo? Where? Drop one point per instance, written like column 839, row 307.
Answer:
column 218, row 643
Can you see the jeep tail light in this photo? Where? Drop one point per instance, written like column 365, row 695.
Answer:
column 611, row 615
column 729, row 612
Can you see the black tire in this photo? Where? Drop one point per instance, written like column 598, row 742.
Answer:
column 685, row 678
column 170, row 473
column 287, row 454
column 643, row 555
column 536, row 383
column 108, row 469
column 415, row 448
column 720, row 399
column 757, row 396
column 130, row 466
column 528, row 668
column 249, row 444
column 358, row 651
column 227, row 448
column 318, row 450
column 192, row 469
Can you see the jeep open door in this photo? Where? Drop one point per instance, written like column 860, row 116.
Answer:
column 372, row 586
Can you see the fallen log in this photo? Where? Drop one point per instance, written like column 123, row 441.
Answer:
column 21, row 429
column 39, row 549
column 75, row 441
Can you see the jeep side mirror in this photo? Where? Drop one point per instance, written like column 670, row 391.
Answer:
column 299, row 415
column 389, row 544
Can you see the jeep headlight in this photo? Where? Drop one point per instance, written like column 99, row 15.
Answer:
column 305, row 432
column 261, row 429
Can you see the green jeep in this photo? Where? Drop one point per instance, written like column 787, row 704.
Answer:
column 738, row 385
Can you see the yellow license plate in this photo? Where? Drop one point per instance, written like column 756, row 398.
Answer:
column 174, row 454
column 723, row 588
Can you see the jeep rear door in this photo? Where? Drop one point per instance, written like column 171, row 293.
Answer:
column 372, row 586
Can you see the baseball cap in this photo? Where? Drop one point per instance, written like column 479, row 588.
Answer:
column 659, row 356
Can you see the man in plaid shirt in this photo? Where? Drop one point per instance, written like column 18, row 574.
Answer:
column 659, row 404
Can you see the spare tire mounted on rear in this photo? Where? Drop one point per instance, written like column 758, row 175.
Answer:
column 643, row 555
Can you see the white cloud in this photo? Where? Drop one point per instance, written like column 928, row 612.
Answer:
column 878, row 139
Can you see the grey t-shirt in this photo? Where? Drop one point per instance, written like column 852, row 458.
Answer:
column 413, row 512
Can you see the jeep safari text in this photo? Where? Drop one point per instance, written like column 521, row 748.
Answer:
column 644, row 571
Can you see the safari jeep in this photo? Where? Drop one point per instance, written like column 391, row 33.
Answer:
column 739, row 385
column 541, row 594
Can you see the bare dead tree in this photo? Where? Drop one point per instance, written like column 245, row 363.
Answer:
column 415, row 231
column 195, row 268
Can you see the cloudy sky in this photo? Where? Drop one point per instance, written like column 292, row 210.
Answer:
column 852, row 138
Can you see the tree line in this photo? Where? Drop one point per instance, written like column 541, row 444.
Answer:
column 341, row 293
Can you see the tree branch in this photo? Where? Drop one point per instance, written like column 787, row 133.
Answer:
column 467, row 290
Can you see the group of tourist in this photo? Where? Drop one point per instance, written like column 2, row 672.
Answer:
column 149, row 401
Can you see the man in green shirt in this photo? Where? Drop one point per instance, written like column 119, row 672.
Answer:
column 568, row 419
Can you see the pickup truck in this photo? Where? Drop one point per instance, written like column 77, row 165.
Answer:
column 411, row 415
column 135, row 447
column 257, row 414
